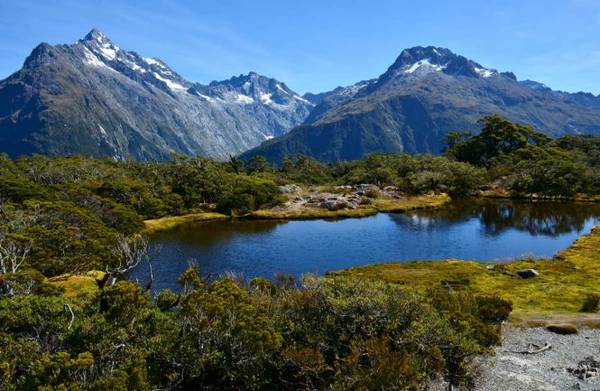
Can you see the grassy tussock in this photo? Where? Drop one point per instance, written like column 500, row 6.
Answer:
column 412, row 203
column 173, row 221
column 78, row 288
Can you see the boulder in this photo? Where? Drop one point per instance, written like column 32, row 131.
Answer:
column 562, row 329
column 366, row 186
column 528, row 273
column 290, row 188
column 334, row 205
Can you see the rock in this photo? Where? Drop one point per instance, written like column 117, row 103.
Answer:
column 329, row 205
column 344, row 188
column 528, row 273
column 289, row 188
column 562, row 329
column 366, row 186
column 334, row 205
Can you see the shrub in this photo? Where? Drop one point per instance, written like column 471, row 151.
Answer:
column 493, row 309
column 372, row 193
column 591, row 303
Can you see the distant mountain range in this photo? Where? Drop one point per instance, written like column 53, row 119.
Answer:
column 94, row 98
column 426, row 93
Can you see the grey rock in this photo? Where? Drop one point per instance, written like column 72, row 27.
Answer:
column 528, row 273
column 289, row 188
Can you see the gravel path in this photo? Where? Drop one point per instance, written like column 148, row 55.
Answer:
column 548, row 370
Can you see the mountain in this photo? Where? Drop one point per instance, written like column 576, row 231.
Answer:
column 427, row 92
column 94, row 98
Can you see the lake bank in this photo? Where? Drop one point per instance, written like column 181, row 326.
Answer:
column 560, row 288
column 482, row 230
column 297, row 208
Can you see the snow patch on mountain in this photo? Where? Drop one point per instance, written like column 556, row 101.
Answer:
column 484, row 72
column 91, row 59
column 265, row 98
column 173, row 86
column 152, row 61
column 280, row 88
column 426, row 64
column 301, row 99
column 244, row 99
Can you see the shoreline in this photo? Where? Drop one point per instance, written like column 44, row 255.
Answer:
column 557, row 293
column 169, row 222
column 379, row 206
column 503, row 194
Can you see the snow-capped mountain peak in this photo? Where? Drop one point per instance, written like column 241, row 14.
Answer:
column 419, row 61
column 128, row 105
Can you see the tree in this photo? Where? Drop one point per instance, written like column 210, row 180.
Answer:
column 258, row 164
column 129, row 252
column 498, row 136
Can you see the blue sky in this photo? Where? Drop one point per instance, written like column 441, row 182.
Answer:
column 317, row 45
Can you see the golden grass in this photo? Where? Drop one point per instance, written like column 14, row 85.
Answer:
column 78, row 288
column 411, row 203
column 169, row 222
column 311, row 213
column 560, row 288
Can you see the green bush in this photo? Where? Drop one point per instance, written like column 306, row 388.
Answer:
column 493, row 309
column 591, row 303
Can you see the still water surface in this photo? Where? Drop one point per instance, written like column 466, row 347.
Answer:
column 484, row 230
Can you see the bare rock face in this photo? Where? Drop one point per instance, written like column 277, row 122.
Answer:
column 95, row 98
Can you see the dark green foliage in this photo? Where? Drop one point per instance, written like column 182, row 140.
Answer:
column 333, row 333
column 303, row 169
column 527, row 162
column 497, row 136
column 69, row 214
column 258, row 164
column 246, row 194
column 71, row 210
column 591, row 303
column 493, row 309
column 412, row 174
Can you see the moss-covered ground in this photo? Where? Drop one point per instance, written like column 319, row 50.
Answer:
column 559, row 291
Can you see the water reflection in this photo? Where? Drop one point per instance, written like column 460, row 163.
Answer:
column 484, row 230
column 497, row 216
column 212, row 233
